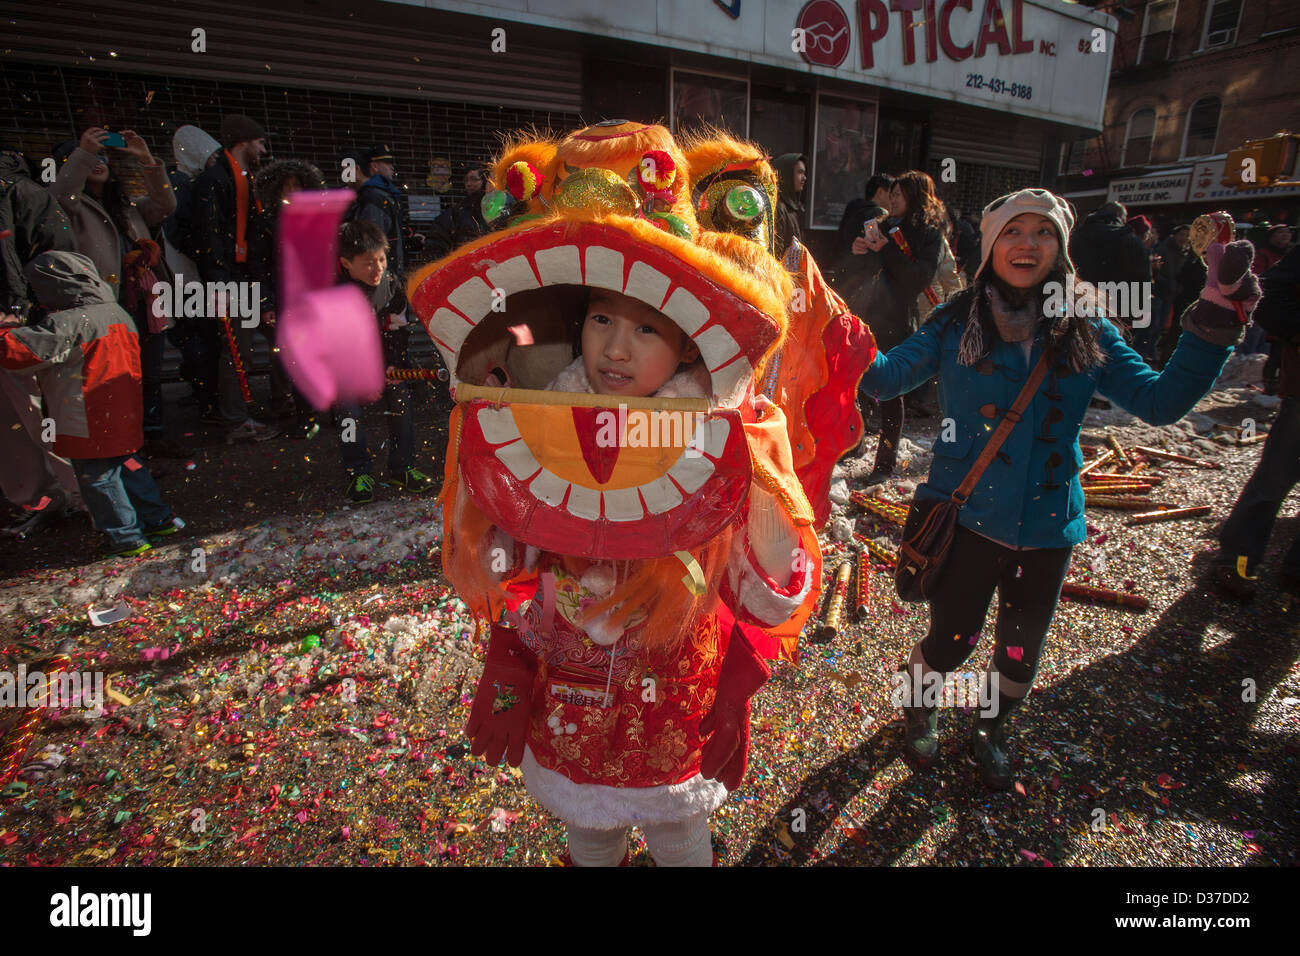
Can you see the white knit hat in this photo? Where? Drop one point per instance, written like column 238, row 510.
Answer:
column 1002, row 210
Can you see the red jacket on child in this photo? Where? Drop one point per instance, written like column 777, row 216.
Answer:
column 86, row 358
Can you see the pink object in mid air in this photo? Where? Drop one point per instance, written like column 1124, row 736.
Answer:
column 328, row 337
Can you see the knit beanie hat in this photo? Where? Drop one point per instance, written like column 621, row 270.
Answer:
column 1001, row 211
column 192, row 147
column 237, row 128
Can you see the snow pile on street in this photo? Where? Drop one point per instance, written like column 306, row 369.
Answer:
column 1242, row 370
column 381, row 533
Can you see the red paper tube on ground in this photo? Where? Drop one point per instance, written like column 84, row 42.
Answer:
column 1115, row 488
column 1123, row 504
column 1170, row 456
column 1115, row 446
column 1104, row 596
column 882, row 554
column 1106, row 478
column 1096, row 463
column 876, row 506
column 1170, row 514
column 236, row 359
column 862, row 591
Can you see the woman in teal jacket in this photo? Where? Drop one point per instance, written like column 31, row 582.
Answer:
column 1017, row 530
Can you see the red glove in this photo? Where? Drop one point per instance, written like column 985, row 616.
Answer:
column 725, row 753
column 498, row 721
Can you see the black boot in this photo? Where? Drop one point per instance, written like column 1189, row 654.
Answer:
column 988, row 744
column 921, row 736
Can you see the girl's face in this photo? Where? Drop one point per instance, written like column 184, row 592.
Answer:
column 1026, row 250
column 99, row 172
column 897, row 202
column 629, row 348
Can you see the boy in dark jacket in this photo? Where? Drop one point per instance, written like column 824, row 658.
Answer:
column 363, row 259
column 87, row 358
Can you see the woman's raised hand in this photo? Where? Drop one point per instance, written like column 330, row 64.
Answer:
column 92, row 140
column 136, row 146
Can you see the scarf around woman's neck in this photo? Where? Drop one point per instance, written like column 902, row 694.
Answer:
column 1072, row 339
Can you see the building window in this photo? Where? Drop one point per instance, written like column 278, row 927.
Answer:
column 843, row 158
column 1203, row 126
column 1072, row 157
column 1221, row 23
column 1137, row 142
column 1157, row 31
column 710, row 99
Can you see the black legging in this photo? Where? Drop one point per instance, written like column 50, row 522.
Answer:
column 1029, row 586
column 891, row 429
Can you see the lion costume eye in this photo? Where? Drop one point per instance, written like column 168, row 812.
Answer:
column 743, row 205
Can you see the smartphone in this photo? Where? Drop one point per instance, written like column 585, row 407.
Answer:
column 114, row 139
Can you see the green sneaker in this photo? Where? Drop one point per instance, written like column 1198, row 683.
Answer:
column 411, row 480
column 126, row 550
column 168, row 527
column 362, row 489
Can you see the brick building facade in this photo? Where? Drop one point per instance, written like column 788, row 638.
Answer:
column 1191, row 80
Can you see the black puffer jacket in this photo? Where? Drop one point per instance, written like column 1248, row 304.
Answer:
column 1278, row 314
column 461, row 223
column 1104, row 249
column 37, row 224
column 887, row 303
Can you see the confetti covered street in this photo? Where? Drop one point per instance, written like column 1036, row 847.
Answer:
column 302, row 697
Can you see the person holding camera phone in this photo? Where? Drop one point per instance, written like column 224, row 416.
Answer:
column 898, row 271
column 115, row 231
column 1000, row 344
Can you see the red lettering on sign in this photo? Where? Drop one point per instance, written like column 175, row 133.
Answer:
column 950, row 49
column 931, row 33
column 993, row 29
column 1049, row 49
column 1020, row 45
column 909, row 39
column 873, row 24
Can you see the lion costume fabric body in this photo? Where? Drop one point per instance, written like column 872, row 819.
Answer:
column 624, row 566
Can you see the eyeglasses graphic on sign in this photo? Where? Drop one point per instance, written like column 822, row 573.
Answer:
column 825, row 36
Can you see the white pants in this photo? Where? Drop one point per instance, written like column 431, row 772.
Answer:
column 687, row 843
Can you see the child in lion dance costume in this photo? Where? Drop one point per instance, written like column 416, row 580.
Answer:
column 634, row 588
